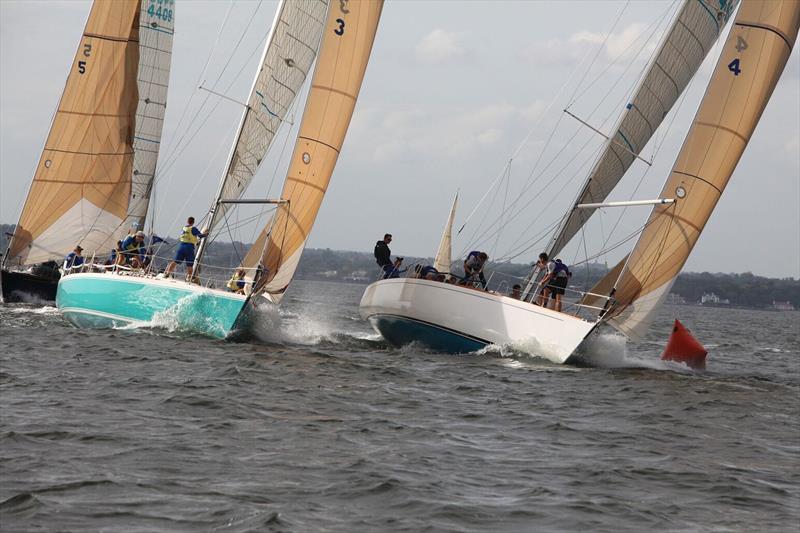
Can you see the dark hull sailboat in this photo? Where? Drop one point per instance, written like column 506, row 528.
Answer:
column 39, row 284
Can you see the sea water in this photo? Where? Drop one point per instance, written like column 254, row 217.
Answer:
column 312, row 423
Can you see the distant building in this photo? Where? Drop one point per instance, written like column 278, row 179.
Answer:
column 711, row 298
column 782, row 306
column 357, row 275
column 328, row 274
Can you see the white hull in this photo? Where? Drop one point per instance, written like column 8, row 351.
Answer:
column 457, row 319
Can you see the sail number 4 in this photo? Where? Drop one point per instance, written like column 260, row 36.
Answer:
column 741, row 46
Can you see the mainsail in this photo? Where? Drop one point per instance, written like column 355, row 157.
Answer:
column 443, row 259
column 89, row 181
column 288, row 55
column 744, row 78
column 349, row 32
column 692, row 35
column 156, row 28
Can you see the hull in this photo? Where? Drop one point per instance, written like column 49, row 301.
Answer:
column 455, row 319
column 101, row 300
column 26, row 287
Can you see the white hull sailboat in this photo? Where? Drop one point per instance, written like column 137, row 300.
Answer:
column 455, row 319
column 343, row 33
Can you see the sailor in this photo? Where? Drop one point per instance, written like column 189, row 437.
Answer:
column 74, row 258
column 132, row 250
column 190, row 236
column 112, row 259
column 473, row 267
column 555, row 281
column 516, row 291
column 237, row 282
column 383, row 255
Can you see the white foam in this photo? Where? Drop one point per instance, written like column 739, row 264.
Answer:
column 610, row 350
column 46, row 310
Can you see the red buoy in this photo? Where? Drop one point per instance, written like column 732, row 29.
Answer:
column 684, row 348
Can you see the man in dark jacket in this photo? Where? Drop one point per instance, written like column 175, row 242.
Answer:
column 383, row 256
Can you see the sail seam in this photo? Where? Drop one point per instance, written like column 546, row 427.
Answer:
column 110, row 38
column 324, row 88
column 774, row 30
column 699, row 178
column 320, row 142
column 723, row 128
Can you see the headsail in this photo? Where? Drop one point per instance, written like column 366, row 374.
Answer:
column 692, row 35
column 288, row 55
column 84, row 185
column 443, row 255
column 752, row 60
column 344, row 53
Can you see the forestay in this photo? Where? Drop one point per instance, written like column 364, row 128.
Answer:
column 81, row 189
column 692, row 35
column 348, row 36
column 754, row 55
column 288, row 56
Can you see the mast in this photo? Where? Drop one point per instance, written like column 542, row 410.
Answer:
column 753, row 58
column 349, row 33
column 678, row 57
column 289, row 54
column 212, row 212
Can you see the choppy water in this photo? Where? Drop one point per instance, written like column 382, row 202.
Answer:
column 320, row 426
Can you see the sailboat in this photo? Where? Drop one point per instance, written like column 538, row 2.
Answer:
column 343, row 32
column 95, row 173
column 459, row 319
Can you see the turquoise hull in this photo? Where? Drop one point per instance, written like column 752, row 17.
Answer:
column 111, row 300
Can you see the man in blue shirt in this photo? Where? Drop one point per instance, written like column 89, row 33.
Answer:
column 132, row 250
column 190, row 236
column 73, row 259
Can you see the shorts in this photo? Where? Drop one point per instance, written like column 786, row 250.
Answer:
column 557, row 285
column 185, row 254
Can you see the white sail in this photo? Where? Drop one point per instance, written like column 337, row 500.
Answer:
column 288, row 55
column 692, row 35
column 156, row 29
column 444, row 254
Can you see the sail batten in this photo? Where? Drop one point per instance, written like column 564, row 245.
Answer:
column 692, row 35
column 753, row 58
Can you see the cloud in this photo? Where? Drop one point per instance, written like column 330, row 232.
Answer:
column 623, row 45
column 434, row 133
column 440, row 46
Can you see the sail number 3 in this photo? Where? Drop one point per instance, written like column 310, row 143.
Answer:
column 339, row 30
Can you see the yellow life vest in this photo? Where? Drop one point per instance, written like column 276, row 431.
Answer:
column 187, row 235
column 233, row 283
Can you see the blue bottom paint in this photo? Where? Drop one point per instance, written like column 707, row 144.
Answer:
column 400, row 331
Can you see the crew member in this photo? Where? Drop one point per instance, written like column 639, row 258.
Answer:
column 190, row 236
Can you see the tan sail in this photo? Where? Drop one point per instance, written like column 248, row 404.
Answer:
column 346, row 45
column 443, row 260
column 82, row 185
column 752, row 60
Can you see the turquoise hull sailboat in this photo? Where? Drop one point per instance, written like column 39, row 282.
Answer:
column 101, row 300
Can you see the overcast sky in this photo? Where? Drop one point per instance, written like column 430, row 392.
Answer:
column 452, row 90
